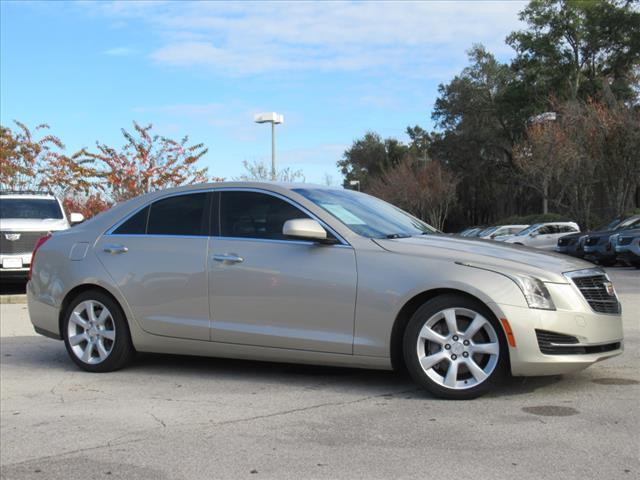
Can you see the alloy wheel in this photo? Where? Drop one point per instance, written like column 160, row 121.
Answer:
column 458, row 348
column 91, row 332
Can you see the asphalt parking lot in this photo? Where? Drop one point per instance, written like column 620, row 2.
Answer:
column 170, row 417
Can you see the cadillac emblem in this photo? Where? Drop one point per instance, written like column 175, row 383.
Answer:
column 12, row 237
column 609, row 288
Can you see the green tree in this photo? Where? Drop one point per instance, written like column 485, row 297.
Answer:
column 572, row 48
column 369, row 157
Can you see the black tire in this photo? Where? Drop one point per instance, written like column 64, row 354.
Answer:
column 121, row 350
column 410, row 349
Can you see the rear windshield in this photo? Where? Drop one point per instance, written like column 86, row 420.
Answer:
column 29, row 208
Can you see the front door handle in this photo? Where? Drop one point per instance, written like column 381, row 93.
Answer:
column 115, row 249
column 228, row 258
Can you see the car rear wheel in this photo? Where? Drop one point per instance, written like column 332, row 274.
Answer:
column 454, row 347
column 96, row 333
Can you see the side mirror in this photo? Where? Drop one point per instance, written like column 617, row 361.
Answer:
column 76, row 218
column 304, row 228
column 533, row 234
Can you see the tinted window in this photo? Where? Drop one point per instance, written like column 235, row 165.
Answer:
column 255, row 215
column 29, row 208
column 179, row 215
column 567, row 229
column 136, row 225
column 546, row 230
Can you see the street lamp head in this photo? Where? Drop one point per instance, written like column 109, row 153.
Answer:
column 269, row 117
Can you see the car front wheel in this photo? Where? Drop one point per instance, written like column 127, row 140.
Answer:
column 454, row 347
column 96, row 333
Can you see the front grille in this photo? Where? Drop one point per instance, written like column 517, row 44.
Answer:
column 23, row 245
column 594, row 291
column 563, row 242
column 552, row 343
column 625, row 240
column 591, row 241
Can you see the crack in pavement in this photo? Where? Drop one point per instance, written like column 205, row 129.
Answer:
column 115, row 443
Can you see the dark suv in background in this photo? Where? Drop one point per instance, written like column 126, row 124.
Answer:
column 573, row 244
column 598, row 246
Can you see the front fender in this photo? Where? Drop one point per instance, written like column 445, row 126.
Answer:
column 387, row 281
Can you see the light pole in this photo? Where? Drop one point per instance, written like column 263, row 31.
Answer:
column 273, row 118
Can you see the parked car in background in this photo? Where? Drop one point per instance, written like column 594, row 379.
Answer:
column 542, row 235
column 471, row 232
column 501, row 230
column 627, row 246
column 215, row 270
column 598, row 246
column 24, row 218
column 573, row 243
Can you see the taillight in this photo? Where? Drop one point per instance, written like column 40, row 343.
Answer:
column 39, row 243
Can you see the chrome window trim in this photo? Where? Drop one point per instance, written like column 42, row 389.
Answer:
column 287, row 242
column 341, row 239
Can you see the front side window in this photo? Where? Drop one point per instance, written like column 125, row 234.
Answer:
column 366, row 215
column 255, row 215
column 30, row 208
column 179, row 215
column 547, row 230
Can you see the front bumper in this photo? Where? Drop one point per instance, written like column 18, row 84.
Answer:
column 574, row 317
column 599, row 252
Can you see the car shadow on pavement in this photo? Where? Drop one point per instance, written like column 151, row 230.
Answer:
column 44, row 354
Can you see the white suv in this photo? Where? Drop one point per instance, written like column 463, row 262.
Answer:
column 542, row 235
column 25, row 216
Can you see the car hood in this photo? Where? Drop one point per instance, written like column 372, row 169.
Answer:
column 33, row 225
column 499, row 257
column 604, row 233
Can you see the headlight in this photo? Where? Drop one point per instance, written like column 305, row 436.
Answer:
column 534, row 292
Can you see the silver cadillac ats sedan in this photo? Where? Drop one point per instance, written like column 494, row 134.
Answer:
column 309, row 274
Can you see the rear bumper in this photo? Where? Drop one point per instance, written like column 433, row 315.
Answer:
column 44, row 316
column 591, row 330
column 23, row 260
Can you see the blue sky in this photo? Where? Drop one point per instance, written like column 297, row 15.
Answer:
column 334, row 69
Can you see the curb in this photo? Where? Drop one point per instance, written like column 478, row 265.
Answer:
column 6, row 299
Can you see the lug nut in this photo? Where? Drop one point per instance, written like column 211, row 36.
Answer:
column 465, row 354
column 455, row 338
column 466, row 343
column 454, row 356
column 447, row 347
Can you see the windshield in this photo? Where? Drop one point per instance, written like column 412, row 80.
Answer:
column 487, row 231
column 29, row 208
column 629, row 223
column 610, row 226
column 366, row 215
column 527, row 231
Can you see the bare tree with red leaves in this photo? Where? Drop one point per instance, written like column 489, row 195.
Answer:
column 146, row 162
column 424, row 189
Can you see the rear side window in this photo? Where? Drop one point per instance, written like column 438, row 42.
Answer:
column 179, row 215
column 136, row 225
column 255, row 215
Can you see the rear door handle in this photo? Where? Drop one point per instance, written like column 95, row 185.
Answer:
column 115, row 249
column 228, row 258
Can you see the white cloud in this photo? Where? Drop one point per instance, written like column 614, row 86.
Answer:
column 119, row 51
column 263, row 37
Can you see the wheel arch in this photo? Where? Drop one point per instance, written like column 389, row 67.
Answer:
column 407, row 311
